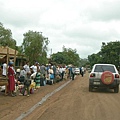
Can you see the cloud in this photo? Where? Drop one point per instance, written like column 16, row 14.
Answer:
column 77, row 24
column 107, row 11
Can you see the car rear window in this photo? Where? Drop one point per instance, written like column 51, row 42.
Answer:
column 102, row 68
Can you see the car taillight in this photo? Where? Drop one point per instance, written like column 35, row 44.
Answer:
column 117, row 76
column 92, row 75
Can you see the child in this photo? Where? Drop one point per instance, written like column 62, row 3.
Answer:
column 26, row 88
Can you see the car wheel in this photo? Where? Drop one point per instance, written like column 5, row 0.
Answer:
column 116, row 89
column 107, row 77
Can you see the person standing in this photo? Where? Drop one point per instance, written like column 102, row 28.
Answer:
column 27, row 83
column 22, row 76
column 4, row 73
column 61, row 72
column 70, row 72
column 54, row 71
column 37, row 78
column 82, row 71
column 51, row 75
column 11, row 79
column 73, row 72
column 66, row 73
column 43, row 70
column 27, row 69
column 34, row 67
column 43, row 73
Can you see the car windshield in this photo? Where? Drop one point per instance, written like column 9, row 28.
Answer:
column 102, row 68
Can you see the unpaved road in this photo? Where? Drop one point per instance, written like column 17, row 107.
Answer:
column 73, row 102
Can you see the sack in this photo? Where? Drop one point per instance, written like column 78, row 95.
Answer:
column 51, row 76
column 21, row 88
column 32, row 85
column 31, row 90
column 25, row 92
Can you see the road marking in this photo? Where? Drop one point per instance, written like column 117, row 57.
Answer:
column 23, row 115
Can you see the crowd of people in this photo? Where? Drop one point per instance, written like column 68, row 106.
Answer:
column 30, row 77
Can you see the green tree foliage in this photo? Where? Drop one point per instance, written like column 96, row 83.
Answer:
column 35, row 47
column 68, row 56
column 110, row 53
column 93, row 59
column 84, row 62
column 6, row 37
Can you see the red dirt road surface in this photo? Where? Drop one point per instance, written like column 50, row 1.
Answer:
column 72, row 102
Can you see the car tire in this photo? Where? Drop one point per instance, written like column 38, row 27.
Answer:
column 116, row 89
column 107, row 77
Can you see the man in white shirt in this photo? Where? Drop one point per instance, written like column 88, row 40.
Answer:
column 4, row 73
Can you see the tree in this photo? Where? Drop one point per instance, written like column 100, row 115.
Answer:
column 68, row 56
column 93, row 59
column 84, row 62
column 6, row 37
column 35, row 47
column 109, row 53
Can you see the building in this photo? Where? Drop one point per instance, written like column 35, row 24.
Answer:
column 8, row 54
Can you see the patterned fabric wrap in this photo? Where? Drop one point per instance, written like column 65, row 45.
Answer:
column 37, row 79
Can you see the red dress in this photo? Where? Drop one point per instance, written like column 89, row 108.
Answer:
column 11, row 79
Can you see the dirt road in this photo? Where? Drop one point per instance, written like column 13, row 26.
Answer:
column 73, row 102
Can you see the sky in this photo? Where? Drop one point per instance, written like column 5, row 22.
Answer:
column 77, row 24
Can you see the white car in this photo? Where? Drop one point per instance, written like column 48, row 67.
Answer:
column 104, row 76
column 77, row 71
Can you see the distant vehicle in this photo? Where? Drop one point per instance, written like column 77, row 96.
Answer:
column 77, row 71
column 104, row 76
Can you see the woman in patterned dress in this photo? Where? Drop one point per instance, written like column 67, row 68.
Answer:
column 37, row 78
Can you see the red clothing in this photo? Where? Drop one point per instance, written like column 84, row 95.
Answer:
column 11, row 80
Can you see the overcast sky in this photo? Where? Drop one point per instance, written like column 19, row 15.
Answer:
column 78, row 24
